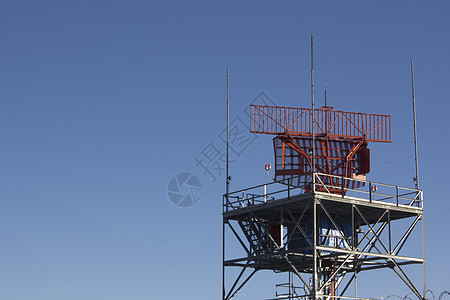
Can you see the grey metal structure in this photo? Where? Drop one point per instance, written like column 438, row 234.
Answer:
column 318, row 236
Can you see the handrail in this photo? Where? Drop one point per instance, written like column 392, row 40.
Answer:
column 368, row 190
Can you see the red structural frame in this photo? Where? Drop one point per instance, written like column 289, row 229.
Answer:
column 328, row 122
column 340, row 140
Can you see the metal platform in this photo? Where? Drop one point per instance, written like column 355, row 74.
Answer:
column 270, row 208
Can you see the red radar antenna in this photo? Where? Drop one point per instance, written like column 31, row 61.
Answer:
column 340, row 142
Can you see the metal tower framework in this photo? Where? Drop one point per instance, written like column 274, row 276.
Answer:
column 323, row 238
column 322, row 221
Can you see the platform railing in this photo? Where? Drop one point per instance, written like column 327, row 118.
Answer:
column 256, row 196
column 290, row 292
column 325, row 184
column 369, row 190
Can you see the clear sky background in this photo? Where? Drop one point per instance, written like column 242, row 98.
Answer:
column 103, row 102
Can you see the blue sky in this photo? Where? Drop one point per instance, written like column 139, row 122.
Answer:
column 103, row 102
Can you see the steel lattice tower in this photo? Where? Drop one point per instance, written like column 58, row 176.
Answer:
column 320, row 220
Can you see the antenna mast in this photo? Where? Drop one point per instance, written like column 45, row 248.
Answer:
column 416, row 179
column 228, row 132
column 313, row 112
column 227, row 180
column 315, row 261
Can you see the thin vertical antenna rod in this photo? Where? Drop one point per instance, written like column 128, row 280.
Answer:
column 416, row 179
column 228, row 132
column 315, row 264
column 227, row 180
column 327, row 112
column 313, row 112
column 417, row 176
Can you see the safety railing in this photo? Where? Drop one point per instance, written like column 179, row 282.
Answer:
column 262, row 194
column 326, row 184
column 369, row 190
column 290, row 291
